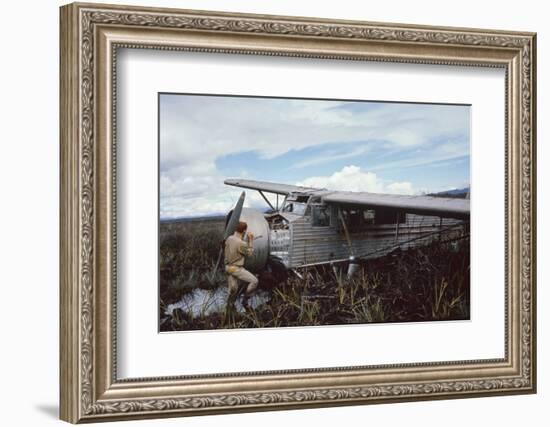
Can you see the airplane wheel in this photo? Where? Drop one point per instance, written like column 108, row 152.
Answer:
column 277, row 269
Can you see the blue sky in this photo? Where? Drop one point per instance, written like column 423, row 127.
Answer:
column 382, row 147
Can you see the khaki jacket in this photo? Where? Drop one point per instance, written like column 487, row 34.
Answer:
column 236, row 250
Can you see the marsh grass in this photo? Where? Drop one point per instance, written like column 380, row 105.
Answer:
column 424, row 284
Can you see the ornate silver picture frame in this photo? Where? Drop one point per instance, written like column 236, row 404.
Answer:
column 91, row 37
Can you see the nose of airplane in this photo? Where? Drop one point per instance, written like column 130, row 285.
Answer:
column 231, row 222
column 258, row 226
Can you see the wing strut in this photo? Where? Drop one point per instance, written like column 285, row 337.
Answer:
column 353, row 264
column 266, row 199
column 345, row 231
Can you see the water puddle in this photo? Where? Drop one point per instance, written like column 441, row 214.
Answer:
column 202, row 302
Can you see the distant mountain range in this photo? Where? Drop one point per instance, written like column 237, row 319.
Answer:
column 194, row 218
column 459, row 193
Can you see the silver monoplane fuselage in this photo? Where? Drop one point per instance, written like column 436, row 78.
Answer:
column 306, row 231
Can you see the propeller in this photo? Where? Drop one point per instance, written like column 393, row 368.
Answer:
column 234, row 217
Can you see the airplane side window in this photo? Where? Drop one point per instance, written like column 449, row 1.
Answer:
column 357, row 220
column 368, row 216
column 320, row 216
column 389, row 216
column 299, row 208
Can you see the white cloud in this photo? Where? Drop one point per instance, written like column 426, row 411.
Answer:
column 203, row 196
column 352, row 178
column 332, row 155
column 208, row 195
column 200, row 129
column 196, row 131
column 400, row 188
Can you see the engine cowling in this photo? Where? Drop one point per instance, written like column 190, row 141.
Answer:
column 258, row 226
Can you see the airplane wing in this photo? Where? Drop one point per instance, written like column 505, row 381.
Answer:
column 269, row 187
column 422, row 205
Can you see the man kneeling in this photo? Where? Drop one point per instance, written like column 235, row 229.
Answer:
column 236, row 250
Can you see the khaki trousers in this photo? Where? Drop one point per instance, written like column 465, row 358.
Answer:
column 234, row 274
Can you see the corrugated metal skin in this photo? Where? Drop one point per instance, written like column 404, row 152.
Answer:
column 311, row 245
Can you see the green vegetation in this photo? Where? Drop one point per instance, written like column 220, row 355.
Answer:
column 429, row 283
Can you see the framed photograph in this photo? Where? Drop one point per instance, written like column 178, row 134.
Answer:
column 267, row 212
column 325, row 240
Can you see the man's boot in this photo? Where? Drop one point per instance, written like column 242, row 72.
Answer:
column 246, row 302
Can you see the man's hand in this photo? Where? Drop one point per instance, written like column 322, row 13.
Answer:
column 250, row 238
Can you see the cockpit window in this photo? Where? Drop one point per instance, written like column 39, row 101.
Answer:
column 295, row 207
column 296, row 204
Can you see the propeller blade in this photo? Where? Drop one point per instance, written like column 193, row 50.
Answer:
column 234, row 218
column 215, row 269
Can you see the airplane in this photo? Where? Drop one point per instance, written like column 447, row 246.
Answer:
column 314, row 226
